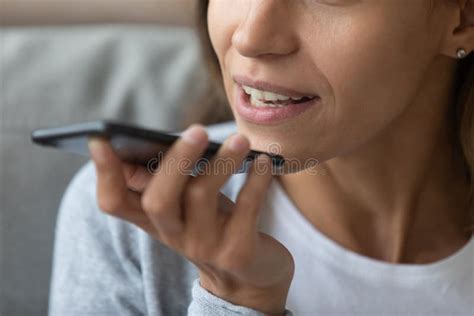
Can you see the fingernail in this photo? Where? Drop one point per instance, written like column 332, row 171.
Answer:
column 194, row 135
column 263, row 158
column 96, row 149
column 263, row 163
column 238, row 143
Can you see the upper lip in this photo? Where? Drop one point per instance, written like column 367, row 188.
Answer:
column 269, row 87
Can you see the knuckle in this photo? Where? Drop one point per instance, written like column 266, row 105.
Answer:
column 110, row 204
column 153, row 204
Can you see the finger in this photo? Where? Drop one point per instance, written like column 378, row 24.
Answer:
column 201, row 195
column 162, row 198
column 227, row 161
column 112, row 194
column 244, row 219
column 136, row 176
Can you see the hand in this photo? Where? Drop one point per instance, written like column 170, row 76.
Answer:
column 191, row 216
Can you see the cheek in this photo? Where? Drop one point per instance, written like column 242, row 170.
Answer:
column 373, row 64
column 224, row 17
column 217, row 30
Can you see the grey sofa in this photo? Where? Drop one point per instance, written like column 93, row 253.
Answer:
column 52, row 76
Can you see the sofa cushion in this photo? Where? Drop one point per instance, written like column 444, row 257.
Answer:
column 53, row 76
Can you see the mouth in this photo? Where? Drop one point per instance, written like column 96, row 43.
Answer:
column 260, row 98
column 268, row 112
column 264, row 94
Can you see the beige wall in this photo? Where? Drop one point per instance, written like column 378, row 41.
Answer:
column 28, row 12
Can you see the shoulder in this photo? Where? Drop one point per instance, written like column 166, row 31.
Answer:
column 110, row 263
column 83, row 229
column 82, row 182
column 80, row 215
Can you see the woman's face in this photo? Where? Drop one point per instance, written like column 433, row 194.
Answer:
column 365, row 59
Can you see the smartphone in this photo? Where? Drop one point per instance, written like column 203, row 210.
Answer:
column 132, row 143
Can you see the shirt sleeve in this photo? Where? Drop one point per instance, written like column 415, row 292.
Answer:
column 205, row 303
column 96, row 267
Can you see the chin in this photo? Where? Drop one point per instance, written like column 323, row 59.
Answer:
column 285, row 142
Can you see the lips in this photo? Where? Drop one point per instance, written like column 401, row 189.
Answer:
column 271, row 115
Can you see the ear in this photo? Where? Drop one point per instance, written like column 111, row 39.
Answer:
column 460, row 31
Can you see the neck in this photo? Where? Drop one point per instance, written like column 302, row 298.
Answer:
column 402, row 196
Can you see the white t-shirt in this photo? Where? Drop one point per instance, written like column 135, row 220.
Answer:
column 332, row 280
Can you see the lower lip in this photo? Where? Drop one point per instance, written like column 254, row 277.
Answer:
column 269, row 115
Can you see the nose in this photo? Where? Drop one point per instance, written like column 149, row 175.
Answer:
column 266, row 30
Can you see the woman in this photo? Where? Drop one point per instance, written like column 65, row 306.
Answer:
column 379, row 93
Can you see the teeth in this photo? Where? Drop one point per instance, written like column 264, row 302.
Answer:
column 258, row 103
column 267, row 96
column 297, row 99
column 257, row 97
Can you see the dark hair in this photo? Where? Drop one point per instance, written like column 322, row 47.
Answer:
column 215, row 108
